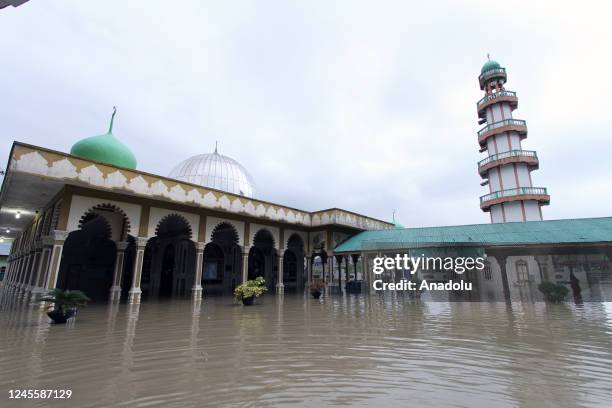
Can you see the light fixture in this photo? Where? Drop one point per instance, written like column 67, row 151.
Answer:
column 8, row 231
column 1, row 239
column 18, row 215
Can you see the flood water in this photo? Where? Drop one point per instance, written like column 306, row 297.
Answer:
column 374, row 350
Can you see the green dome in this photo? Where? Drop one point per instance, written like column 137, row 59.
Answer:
column 105, row 148
column 489, row 65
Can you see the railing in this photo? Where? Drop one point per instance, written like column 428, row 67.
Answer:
column 492, row 72
column 513, row 192
column 505, row 155
column 494, row 95
column 501, row 123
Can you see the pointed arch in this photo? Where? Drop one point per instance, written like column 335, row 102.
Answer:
column 174, row 224
column 105, row 210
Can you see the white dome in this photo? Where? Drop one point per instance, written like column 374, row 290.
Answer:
column 216, row 171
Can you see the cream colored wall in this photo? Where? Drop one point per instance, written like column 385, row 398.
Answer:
column 157, row 214
column 79, row 206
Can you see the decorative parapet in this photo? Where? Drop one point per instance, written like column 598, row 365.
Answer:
column 343, row 217
column 77, row 171
column 496, row 97
column 514, row 194
column 516, row 125
column 528, row 157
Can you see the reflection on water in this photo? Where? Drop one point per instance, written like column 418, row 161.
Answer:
column 293, row 350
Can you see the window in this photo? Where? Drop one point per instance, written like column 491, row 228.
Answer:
column 486, row 270
column 522, row 271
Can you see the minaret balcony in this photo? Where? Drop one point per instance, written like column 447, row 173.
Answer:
column 514, row 194
column 528, row 157
column 508, row 125
column 496, row 97
column 495, row 73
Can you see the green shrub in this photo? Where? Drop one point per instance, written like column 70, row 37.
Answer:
column 64, row 300
column 251, row 288
column 553, row 292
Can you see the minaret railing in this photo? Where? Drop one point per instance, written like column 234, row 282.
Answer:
column 513, row 192
column 502, row 123
column 505, row 155
column 495, row 95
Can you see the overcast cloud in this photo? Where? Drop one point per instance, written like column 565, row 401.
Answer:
column 367, row 106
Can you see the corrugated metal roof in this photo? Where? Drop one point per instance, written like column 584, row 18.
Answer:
column 583, row 230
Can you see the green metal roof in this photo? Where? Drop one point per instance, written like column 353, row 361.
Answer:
column 489, row 65
column 570, row 231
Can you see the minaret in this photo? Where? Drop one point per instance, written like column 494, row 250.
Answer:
column 507, row 169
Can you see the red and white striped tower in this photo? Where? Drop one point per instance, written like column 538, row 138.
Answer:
column 507, row 169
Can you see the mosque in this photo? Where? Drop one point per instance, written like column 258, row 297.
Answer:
column 90, row 220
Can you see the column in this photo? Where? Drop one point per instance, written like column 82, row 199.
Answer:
column 501, row 260
column 23, row 277
column 308, row 269
column 43, row 275
column 245, row 264
column 9, row 273
column 280, row 286
column 38, row 260
column 135, row 292
column 199, row 262
column 115, row 290
column 56, row 241
column 339, row 259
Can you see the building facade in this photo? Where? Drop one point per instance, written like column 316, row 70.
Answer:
column 90, row 220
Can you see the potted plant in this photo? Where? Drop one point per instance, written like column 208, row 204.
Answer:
column 553, row 292
column 316, row 288
column 249, row 290
column 64, row 303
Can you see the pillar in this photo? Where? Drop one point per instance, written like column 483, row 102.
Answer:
column 280, row 286
column 56, row 241
column 339, row 259
column 542, row 261
column 199, row 262
column 355, row 258
column 115, row 290
column 501, row 260
column 38, row 264
column 308, row 269
column 135, row 292
column 27, row 272
column 245, row 264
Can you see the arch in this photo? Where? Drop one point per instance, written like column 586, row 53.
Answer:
column 88, row 259
column 169, row 259
column 222, row 266
column 225, row 233
column 105, row 208
column 263, row 258
column 295, row 243
column 263, row 237
column 92, row 217
column 173, row 225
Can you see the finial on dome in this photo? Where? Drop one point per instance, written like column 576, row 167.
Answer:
column 216, row 152
column 110, row 128
column 488, row 57
column 394, row 216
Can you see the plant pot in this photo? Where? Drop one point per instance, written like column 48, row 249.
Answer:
column 60, row 317
column 316, row 294
column 248, row 301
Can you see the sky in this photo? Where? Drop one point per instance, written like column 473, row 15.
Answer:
column 366, row 106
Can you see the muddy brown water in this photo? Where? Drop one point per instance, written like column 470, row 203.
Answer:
column 381, row 351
